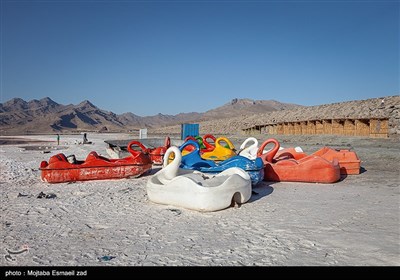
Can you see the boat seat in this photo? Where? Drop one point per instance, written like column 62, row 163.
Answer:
column 92, row 156
column 95, row 156
column 57, row 158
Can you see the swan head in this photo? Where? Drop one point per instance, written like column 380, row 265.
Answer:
column 170, row 170
column 250, row 139
column 268, row 156
column 226, row 140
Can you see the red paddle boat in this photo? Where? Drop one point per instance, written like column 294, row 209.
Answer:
column 157, row 154
column 95, row 167
column 313, row 169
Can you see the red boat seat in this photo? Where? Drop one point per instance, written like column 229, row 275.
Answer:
column 92, row 156
column 57, row 158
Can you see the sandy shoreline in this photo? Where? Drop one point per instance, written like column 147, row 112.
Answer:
column 112, row 222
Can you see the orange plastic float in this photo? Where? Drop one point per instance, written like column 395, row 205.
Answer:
column 59, row 169
column 313, row 169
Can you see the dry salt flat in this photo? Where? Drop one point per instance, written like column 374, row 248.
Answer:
column 354, row 222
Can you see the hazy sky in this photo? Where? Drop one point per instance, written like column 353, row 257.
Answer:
column 149, row 57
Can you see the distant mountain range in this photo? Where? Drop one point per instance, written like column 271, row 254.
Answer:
column 18, row 116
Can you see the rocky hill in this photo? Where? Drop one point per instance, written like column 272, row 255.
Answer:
column 245, row 107
column 353, row 109
column 18, row 116
column 44, row 116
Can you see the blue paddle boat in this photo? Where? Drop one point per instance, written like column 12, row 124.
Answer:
column 193, row 161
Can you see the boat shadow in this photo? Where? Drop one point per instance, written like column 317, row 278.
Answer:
column 261, row 190
column 344, row 176
column 154, row 169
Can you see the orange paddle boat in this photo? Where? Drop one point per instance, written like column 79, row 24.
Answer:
column 313, row 169
column 349, row 162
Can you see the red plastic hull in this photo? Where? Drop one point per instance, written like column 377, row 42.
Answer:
column 96, row 167
column 93, row 173
column 311, row 169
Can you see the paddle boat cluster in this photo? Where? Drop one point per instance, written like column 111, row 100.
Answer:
column 206, row 173
column 197, row 161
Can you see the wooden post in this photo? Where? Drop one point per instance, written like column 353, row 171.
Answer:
column 311, row 127
column 319, row 127
column 337, row 127
column 349, row 127
column 379, row 128
column 279, row 128
column 362, row 127
column 327, row 126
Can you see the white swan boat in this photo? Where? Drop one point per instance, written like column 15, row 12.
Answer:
column 195, row 190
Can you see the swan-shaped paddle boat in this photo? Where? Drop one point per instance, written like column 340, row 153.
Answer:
column 349, row 162
column 313, row 169
column 195, row 190
column 60, row 169
column 194, row 161
column 220, row 152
